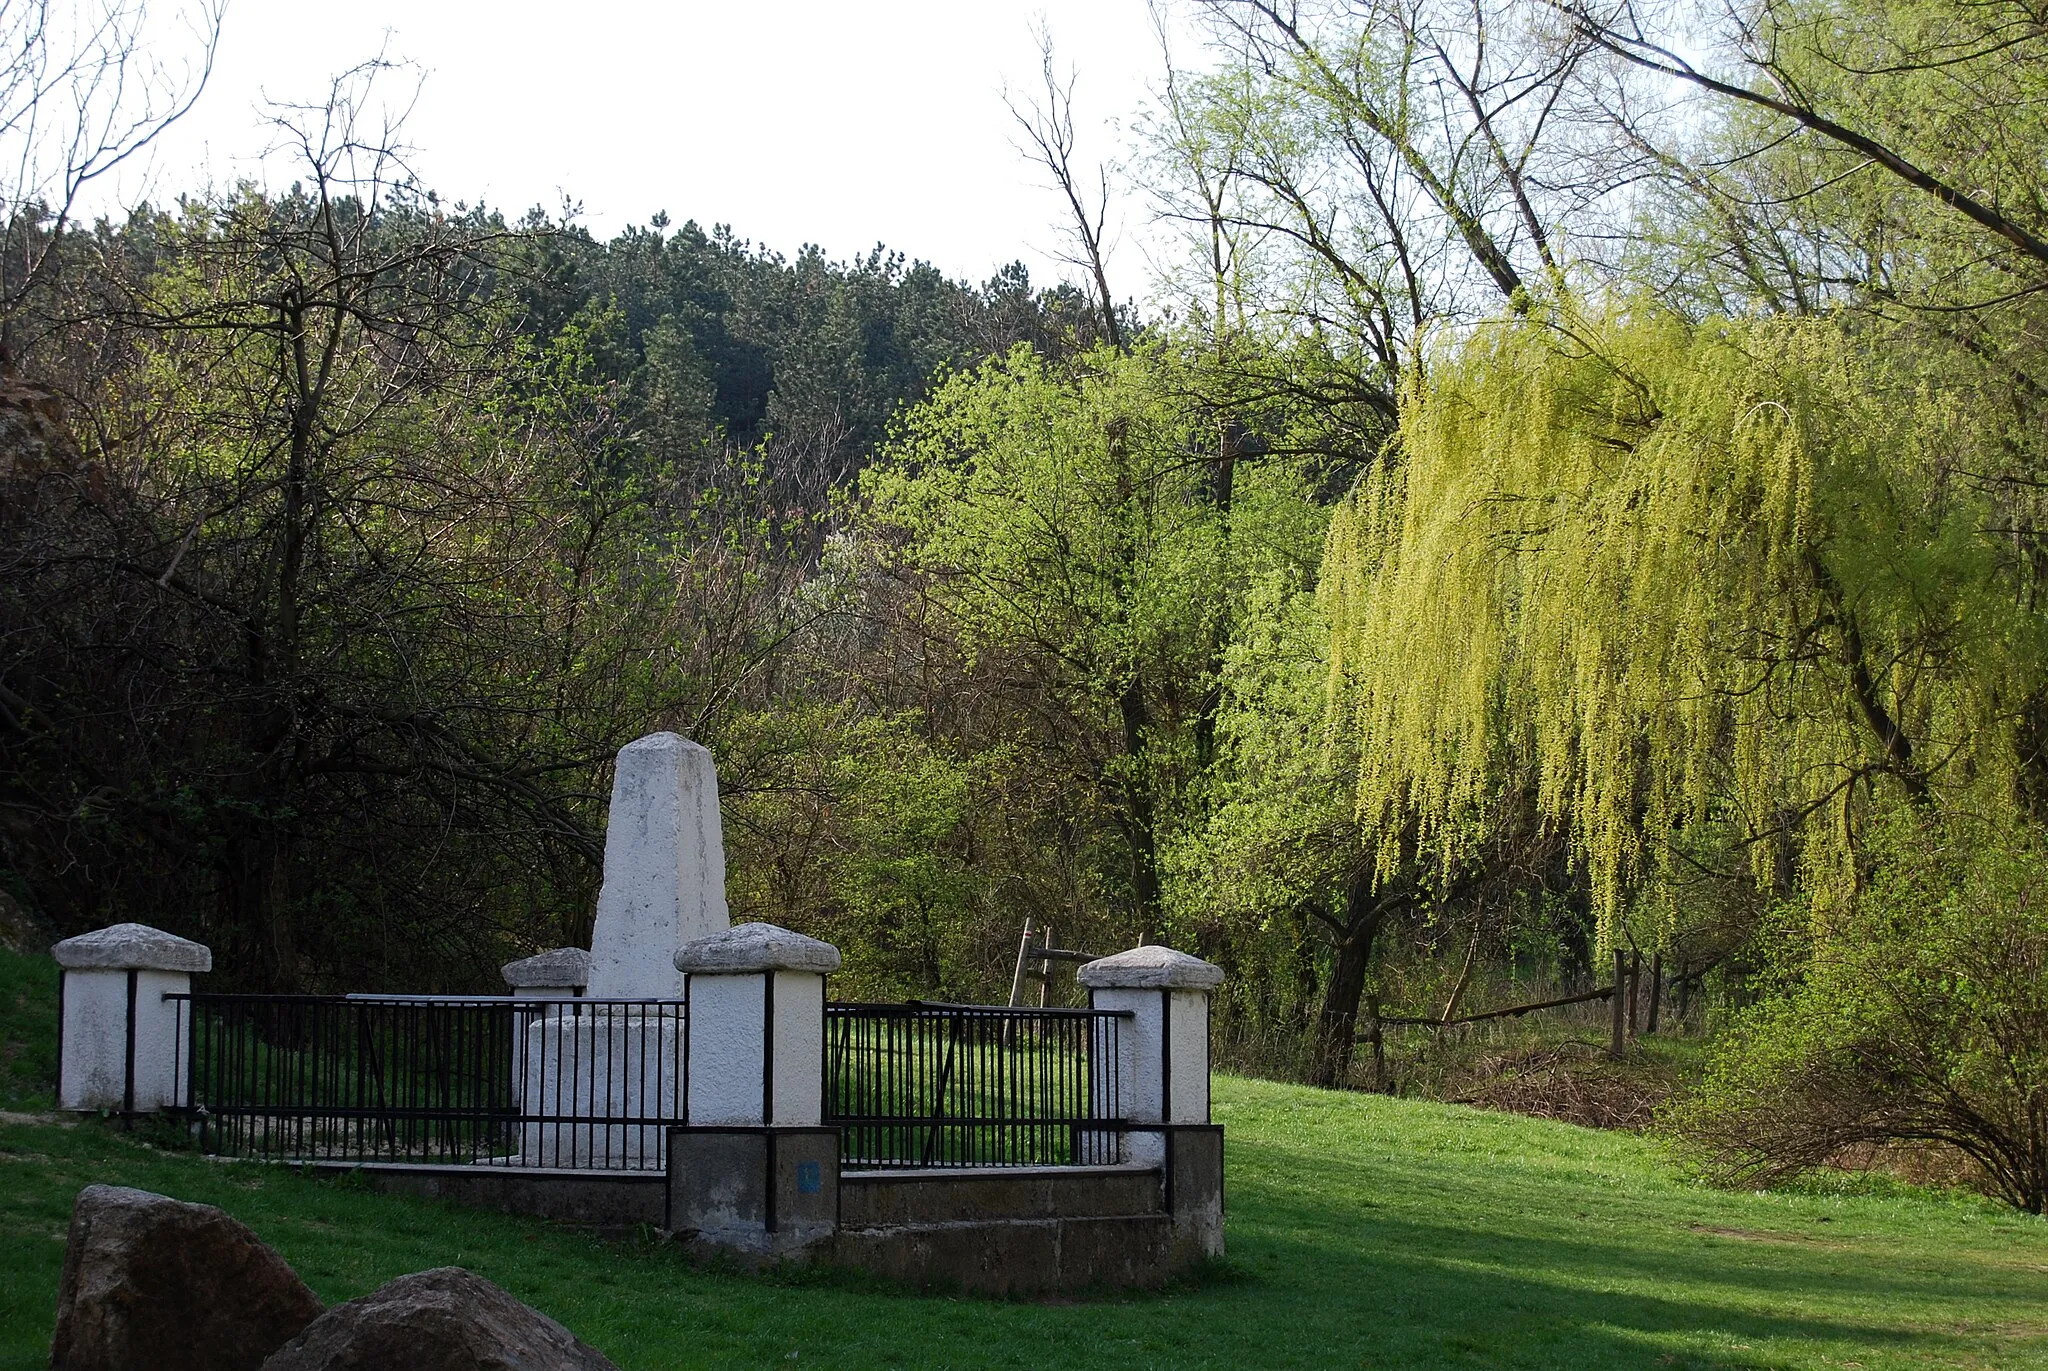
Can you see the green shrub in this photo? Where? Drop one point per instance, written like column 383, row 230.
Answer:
column 1919, row 1017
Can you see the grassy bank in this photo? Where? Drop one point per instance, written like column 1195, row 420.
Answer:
column 28, row 1031
column 1364, row 1232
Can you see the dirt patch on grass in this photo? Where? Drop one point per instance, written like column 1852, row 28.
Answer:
column 11, row 1116
column 1765, row 1236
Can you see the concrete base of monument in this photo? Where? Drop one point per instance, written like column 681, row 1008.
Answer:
column 613, row 1203
column 759, row 1194
column 773, row 1196
column 764, row 1196
column 589, row 1067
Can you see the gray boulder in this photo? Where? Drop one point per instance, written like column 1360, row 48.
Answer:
column 447, row 1319
column 153, row 1282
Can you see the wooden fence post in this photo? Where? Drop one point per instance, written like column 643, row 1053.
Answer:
column 1620, row 1010
column 1635, row 980
column 1376, row 1035
column 1024, row 949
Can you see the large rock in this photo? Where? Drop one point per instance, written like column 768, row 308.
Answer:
column 153, row 1282
column 447, row 1319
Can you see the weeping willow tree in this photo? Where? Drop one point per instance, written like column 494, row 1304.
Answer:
column 1711, row 594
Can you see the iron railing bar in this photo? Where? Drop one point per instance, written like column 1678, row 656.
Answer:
column 931, row 1084
column 447, row 1079
column 912, row 1008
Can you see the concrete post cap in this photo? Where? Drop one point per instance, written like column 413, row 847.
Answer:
column 132, row 947
column 1150, row 968
column 756, row 947
column 565, row 966
column 663, row 742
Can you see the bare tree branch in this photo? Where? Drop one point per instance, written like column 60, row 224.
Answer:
column 1048, row 125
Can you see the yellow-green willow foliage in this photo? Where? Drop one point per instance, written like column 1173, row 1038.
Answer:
column 1704, row 588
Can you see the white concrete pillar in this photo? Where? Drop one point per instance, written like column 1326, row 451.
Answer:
column 558, row 975
column 1161, row 1074
column 123, row 1046
column 664, row 868
column 756, row 1029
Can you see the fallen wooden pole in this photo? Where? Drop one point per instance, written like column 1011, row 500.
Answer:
column 1511, row 1012
column 1024, row 946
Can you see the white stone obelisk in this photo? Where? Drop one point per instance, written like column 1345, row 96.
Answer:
column 664, row 868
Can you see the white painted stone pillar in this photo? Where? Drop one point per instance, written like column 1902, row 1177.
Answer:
column 754, row 1170
column 756, row 1029
column 558, row 975
column 664, row 868
column 588, row 1065
column 122, row 1046
column 1161, row 1075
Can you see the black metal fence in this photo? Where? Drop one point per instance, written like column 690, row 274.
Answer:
column 596, row 1084
column 590, row 1084
column 923, row 1085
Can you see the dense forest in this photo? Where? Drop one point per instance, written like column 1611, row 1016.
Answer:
column 1581, row 487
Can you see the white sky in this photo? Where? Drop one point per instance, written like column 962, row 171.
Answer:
column 838, row 123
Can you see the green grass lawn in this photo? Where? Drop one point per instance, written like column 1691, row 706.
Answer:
column 1363, row 1231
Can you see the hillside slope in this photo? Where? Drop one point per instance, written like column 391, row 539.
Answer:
column 1364, row 1231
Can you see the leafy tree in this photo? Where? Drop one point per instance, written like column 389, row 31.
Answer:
column 362, row 594
column 1064, row 556
column 1052, row 529
column 720, row 347
column 1898, row 143
column 1706, row 588
column 1282, row 866
column 1366, row 173
column 856, row 827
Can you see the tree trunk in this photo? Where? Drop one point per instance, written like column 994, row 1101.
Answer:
column 1221, row 484
column 255, row 905
column 1337, row 1020
column 259, row 860
column 1140, row 822
column 1902, row 759
column 1656, row 988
